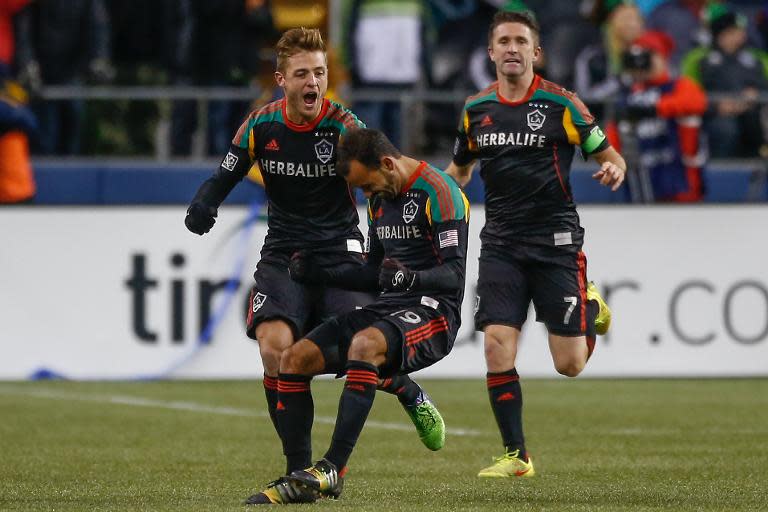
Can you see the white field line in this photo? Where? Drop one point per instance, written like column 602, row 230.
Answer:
column 137, row 401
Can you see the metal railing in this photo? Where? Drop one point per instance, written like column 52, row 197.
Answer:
column 412, row 120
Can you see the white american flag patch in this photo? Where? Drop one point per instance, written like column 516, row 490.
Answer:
column 448, row 238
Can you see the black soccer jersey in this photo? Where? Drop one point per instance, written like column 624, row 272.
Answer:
column 525, row 149
column 310, row 205
column 425, row 226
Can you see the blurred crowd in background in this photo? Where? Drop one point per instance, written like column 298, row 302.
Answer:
column 673, row 81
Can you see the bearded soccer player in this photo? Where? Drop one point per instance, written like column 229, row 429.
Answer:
column 418, row 224
column 311, row 208
column 525, row 131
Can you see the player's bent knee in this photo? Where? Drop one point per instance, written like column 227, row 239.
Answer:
column 274, row 338
column 368, row 347
column 500, row 347
column 270, row 358
column 303, row 358
column 569, row 368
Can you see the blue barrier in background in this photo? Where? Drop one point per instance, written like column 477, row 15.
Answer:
column 84, row 183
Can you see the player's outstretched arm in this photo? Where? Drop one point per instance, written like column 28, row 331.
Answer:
column 304, row 269
column 613, row 168
column 202, row 211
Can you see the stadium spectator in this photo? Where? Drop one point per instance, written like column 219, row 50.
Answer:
column 221, row 58
column 683, row 21
column 8, row 10
column 293, row 143
column 565, row 32
column 63, row 42
column 598, row 66
column 665, row 114
column 731, row 67
column 17, row 123
column 151, row 41
column 761, row 25
column 418, row 226
column 525, row 131
column 387, row 47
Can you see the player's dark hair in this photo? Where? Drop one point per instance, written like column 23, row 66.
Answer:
column 365, row 145
column 296, row 40
column 523, row 18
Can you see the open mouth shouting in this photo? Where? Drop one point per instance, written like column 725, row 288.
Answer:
column 310, row 100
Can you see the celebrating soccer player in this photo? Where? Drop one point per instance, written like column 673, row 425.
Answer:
column 294, row 143
column 418, row 223
column 525, row 131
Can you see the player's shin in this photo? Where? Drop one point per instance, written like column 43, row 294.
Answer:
column 593, row 308
column 295, row 412
column 354, row 405
column 506, row 398
column 270, row 392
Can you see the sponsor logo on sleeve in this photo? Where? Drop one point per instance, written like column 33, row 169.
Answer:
column 229, row 162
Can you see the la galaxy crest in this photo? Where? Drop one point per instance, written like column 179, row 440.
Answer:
column 409, row 211
column 536, row 119
column 324, row 151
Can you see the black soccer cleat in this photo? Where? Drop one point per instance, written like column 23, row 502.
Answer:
column 281, row 492
column 322, row 478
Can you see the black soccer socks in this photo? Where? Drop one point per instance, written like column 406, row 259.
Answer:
column 295, row 412
column 270, row 391
column 593, row 308
column 506, row 397
column 354, row 405
column 406, row 390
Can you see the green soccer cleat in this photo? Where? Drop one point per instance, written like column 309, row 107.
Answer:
column 603, row 319
column 428, row 421
column 322, row 478
column 508, row 465
column 281, row 492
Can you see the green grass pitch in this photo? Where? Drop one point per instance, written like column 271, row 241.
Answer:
column 198, row 446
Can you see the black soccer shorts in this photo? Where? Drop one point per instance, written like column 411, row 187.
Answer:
column 416, row 337
column 556, row 282
column 276, row 296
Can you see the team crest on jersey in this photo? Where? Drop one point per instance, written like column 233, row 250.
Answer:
column 229, row 161
column 536, row 119
column 409, row 211
column 258, row 301
column 324, row 151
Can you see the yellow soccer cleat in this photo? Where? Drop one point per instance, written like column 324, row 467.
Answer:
column 603, row 319
column 509, row 465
